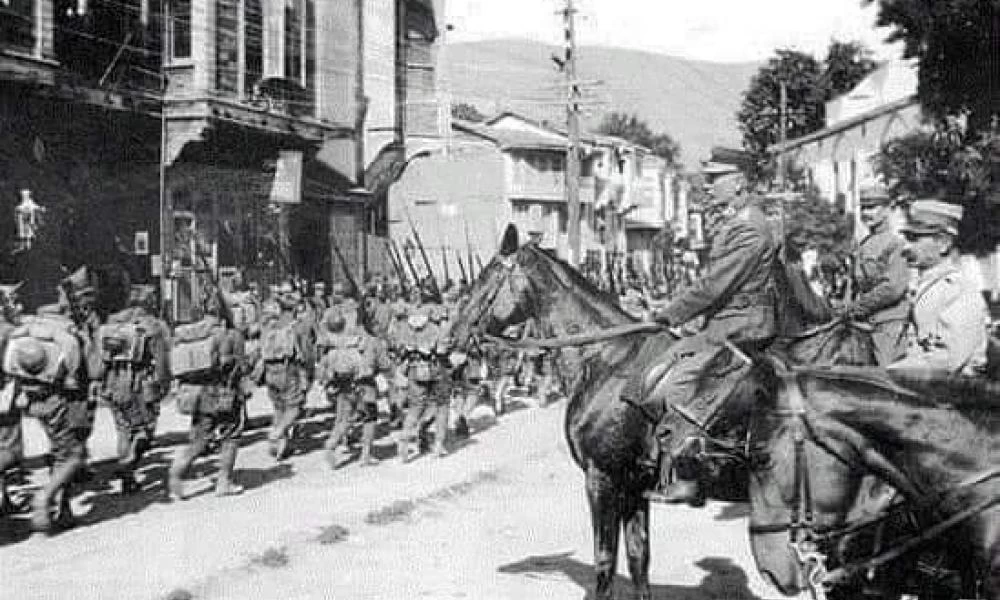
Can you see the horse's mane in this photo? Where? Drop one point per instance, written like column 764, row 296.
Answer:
column 570, row 277
column 913, row 387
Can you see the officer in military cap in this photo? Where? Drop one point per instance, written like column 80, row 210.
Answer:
column 880, row 277
column 947, row 330
column 734, row 302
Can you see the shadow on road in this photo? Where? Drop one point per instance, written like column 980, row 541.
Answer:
column 722, row 579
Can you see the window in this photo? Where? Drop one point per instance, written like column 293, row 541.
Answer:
column 293, row 39
column 227, row 62
column 179, row 29
column 17, row 25
column 253, row 45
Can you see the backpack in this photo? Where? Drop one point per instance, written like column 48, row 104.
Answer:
column 56, row 337
column 243, row 309
column 279, row 344
column 127, row 339
column 344, row 360
column 196, row 350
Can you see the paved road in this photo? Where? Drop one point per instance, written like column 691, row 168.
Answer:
column 502, row 517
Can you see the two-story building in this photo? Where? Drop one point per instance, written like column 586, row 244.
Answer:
column 267, row 125
column 511, row 169
column 79, row 110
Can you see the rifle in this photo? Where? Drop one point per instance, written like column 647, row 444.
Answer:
column 343, row 265
column 479, row 263
column 461, row 267
column 396, row 266
column 435, row 288
column 413, row 270
column 468, row 249
column 444, row 264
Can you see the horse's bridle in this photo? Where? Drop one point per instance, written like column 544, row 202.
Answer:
column 805, row 535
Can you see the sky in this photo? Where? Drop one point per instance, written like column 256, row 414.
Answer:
column 713, row 30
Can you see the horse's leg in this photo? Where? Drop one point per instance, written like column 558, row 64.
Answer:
column 605, row 514
column 635, row 515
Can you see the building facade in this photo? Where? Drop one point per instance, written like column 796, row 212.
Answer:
column 512, row 170
column 275, row 123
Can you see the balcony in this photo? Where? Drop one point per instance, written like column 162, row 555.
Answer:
column 551, row 187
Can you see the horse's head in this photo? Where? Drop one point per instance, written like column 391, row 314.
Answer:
column 802, row 475
column 524, row 282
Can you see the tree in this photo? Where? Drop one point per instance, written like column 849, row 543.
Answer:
column 809, row 84
column 846, row 64
column 467, row 112
column 955, row 44
column 630, row 127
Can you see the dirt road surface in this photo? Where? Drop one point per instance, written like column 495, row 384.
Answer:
column 503, row 516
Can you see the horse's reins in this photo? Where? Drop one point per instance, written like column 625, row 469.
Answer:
column 806, row 549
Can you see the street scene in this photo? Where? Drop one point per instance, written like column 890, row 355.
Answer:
column 523, row 299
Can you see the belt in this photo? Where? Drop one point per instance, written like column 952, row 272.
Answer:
column 748, row 299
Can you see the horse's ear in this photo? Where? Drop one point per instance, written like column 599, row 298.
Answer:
column 509, row 244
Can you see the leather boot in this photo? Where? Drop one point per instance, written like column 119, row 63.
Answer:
column 367, row 440
column 403, row 450
column 129, row 484
column 224, row 485
column 441, row 431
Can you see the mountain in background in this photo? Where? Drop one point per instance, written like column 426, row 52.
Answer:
column 693, row 101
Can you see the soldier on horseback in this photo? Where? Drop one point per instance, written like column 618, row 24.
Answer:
column 737, row 300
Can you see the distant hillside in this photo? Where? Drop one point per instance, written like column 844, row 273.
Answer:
column 693, row 101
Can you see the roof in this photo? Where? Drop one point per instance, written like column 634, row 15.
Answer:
column 509, row 139
column 844, row 125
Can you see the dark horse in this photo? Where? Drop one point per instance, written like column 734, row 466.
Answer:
column 934, row 439
column 606, row 436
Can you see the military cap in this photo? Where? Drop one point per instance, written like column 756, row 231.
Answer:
column 929, row 216
column 874, row 195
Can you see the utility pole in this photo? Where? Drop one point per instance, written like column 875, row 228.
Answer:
column 782, row 130
column 573, row 130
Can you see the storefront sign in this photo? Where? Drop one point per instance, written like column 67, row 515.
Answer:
column 287, row 185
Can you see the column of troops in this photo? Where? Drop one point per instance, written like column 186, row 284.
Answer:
column 355, row 353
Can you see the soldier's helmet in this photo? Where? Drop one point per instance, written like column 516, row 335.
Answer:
column 30, row 356
column 334, row 321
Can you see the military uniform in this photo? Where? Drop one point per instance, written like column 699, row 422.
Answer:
column 286, row 372
column 881, row 276
column 11, row 435
column 59, row 403
column 216, row 401
column 948, row 323
column 947, row 330
column 737, row 299
column 348, row 370
column 133, row 386
column 423, row 348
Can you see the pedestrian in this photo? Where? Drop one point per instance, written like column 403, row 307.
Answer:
column 45, row 365
column 350, row 363
column 424, row 347
column 284, row 365
column 133, row 345
column 11, row 434
column 209, row 362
